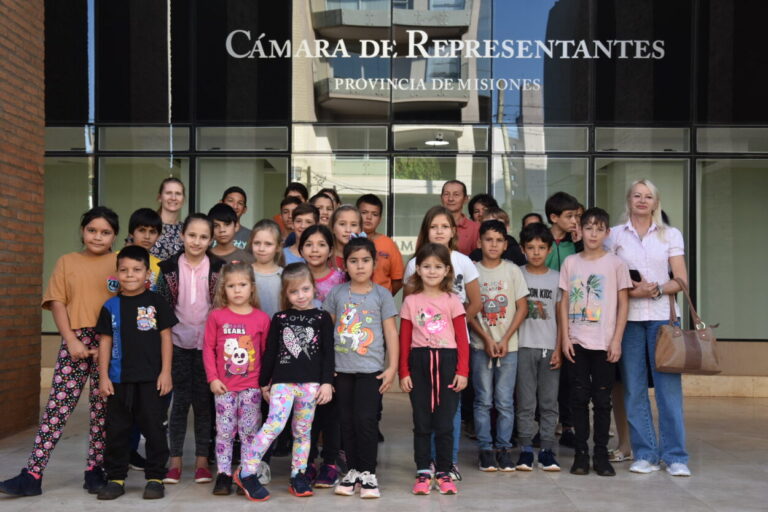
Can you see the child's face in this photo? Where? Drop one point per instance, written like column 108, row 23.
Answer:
column 493, row 244
column 224, row 233
column 300, row 293
column 196, row 238
column 145, row 236
column 360, row 266
column 594, row 234
column 132, row 275
column 530, row 220
column 478, row 211
column 98, row 236
column 432, row 271
column 264, row 246
column 302, row 222
column 440, row 231
column 237, row 202
column 505, row 221
column 238, row 288
column 347, row 222
column 371, row 217
column 172, row 197
column 536, row 251
column 316, row 251
column 325, row 206
column 566, row 221
column 286, row 212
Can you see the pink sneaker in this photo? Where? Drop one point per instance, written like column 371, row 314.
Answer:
column 203, row 476
column 172, row 476
column 423, row 484
column 445, row 484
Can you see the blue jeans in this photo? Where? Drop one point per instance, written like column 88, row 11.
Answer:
column 494, row 387
column 638, row 343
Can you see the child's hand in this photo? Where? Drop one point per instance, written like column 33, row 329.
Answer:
column 324, row 394
column 265, row 392
column 576, row 235
column 502, row 349
column 386, row 377
column 105, row 387
column 164, row 383
column 94, row 353
column 614, row 351
column 218, row 387
column 568, row 351
column 77, row 350
column 459, row 383
column 406, row 384
column 555, row 361
column 490, row 348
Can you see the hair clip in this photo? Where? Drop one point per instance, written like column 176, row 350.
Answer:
column 358, row 235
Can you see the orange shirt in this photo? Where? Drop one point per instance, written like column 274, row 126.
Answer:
column 389, row 262
column 83, row 283
column 279, row 219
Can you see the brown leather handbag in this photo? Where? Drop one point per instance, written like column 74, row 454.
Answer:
column 686, row 351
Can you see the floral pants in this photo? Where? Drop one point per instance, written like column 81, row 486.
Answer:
column 237, row 412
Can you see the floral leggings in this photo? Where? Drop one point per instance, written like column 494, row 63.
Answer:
column 69, row 378
column 237, row 412
column 284, row 396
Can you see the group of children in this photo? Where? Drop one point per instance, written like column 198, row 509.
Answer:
column 308, row 325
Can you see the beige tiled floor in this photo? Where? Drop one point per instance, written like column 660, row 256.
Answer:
column 727, row 440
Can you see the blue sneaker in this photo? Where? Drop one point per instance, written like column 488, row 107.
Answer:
column 95, row 480
column 24, row 484
column 300, row 486
column 547, row 461
column 525, row 462
column 253, row 489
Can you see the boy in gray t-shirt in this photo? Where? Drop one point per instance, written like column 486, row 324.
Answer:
column 538, row 360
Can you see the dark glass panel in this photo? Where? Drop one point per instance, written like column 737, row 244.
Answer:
column 66, row 61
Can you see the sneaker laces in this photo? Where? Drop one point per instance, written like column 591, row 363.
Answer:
column 454, row 472
column 351, row 477
column 368, row 480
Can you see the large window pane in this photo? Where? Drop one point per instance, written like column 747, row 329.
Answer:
column 540, row 139
column 522, row 184
column 417, row 186
column 732, row 140
column 69, row 138
column 642, row 140
column 144, row 138
column 242, row 138
column 126, row 184
column 66, row 61
column 615, row 175
column 263, row 180
column 309, row 138
column 351, row 176
column 732, row 281
column 67, row 195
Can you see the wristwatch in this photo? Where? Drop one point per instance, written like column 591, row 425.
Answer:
column 660, row 289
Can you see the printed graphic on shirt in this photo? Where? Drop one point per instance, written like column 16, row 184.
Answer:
column 458, row 284
column 434, row 322
column 299, row 339
column 239, row 352
column 353, row 337
column 145, row 320
column 536, row 308
column 584, row 294
column 494, row 307
column 113, row 284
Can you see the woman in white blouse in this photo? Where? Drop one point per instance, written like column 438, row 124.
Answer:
column 653, row 249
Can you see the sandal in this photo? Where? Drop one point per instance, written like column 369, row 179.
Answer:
column 618, row 456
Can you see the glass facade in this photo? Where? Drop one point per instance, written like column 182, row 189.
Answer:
column 169, row 89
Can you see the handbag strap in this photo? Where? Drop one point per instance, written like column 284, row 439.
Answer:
column 672, row 317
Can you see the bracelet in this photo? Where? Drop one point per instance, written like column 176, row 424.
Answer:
column 660, row 289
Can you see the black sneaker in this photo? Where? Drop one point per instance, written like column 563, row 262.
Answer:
column 568, row 438
column 253, row 489
column 137, row 462
column 111, row 491
column 23, row 484
column 525, row 461
column 95, row 480
column 487, row 461
column 547, row 461
column 504, row 459
column 602, row 466
column 300, row 486
column 223, row 485
column 580, row 464
column 154, row 490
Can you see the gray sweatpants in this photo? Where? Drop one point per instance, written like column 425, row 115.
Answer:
column 535, row 380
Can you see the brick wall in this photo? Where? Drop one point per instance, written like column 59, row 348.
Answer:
column 22, row 119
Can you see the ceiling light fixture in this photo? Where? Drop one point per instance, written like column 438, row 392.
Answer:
column 437, row 141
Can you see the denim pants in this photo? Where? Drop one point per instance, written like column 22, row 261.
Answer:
column 494, row 381
column 638, row 343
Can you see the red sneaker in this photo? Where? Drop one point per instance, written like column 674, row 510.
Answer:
column 445, row 484
column 203, row 476
column 172, row 476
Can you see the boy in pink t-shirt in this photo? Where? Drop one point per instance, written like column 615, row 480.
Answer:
column 593, row 318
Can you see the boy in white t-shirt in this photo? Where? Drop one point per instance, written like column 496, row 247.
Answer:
column 494, row 346
column 592, row 321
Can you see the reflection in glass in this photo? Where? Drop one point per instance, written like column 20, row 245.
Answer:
column 242, row 138
column 462, row 138
column 642, row 139
column 732, row 281
column 417, row 186
column 540, row 139
column 732, row 140
column 262, row 179
column 68, row 194
column 144, row 138
column 69, row 138
column 324, row 139
column 522, row 184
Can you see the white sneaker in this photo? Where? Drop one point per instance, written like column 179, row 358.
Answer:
column 678, row 469
column 644, row 467
column 370, row 486
column 264, row 473
column 347, row 485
